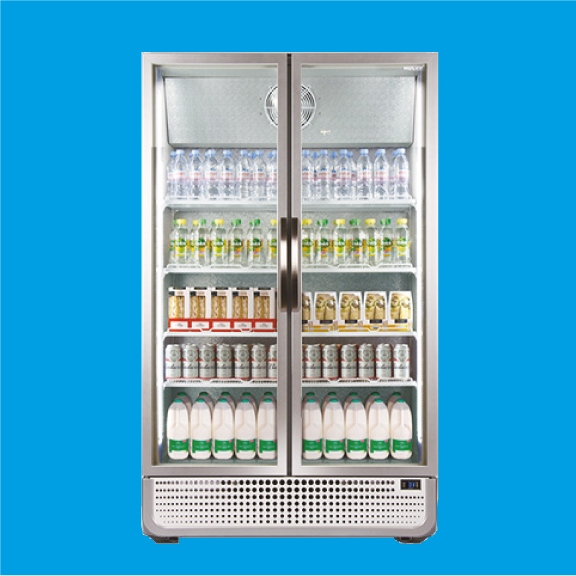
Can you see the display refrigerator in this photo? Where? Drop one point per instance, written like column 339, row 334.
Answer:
column 289, row 295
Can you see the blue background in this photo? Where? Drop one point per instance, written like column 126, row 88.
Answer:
column 71, row 88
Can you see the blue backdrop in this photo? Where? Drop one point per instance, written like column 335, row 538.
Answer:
column 71, row 85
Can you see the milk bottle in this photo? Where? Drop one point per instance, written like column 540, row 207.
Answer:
column 370, row 400
column 356, row 430
column 223, row 430
column 200, row 430
column 250, row 399
column 228, row 397
column 311, row 430
column 245, row 430
column 401, row 430
column 349, row 399
column 177, row 430
column 333, row 430
column 267, row 443
column 378, row 430
column 307, row 396
column 207, row 399
column 187, row 402
column 392, row 400
column 327, row 399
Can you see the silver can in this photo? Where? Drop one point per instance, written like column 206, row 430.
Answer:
column 223, row 361
column 242, row 362
column 173, row 362
column 190, row 361
column 258, row 361
column 349, row 361
column 330, row 361
column 402, row 361
column 207, row 361
column 273, row 361
column 313, row 361
column 383, row 361
column 366, row 360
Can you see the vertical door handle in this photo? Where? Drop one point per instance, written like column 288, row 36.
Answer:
column 283, row 260
column 295, row 265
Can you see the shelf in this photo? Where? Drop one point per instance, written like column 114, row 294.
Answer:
column 219, row 204
column 239, row 335
column 389, row 462
column 213, row 463
column 219, row 383
column 177, row 269
column 357, row 382
column 400, row 269
column 371, row 334
column 334, row 205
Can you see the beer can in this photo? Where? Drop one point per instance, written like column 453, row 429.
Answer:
column 349, row 361
column 242, row 362
column 312, row 361
column 223, row 361
column 273, row 361
column 207, row 361
column 190, row 361
column 173, row 362
column 330, row 361
column 402, row 361
column 366, row 360
column 258, row 361
column 383, row 361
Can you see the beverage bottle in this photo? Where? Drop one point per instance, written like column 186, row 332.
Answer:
column 254, row 244
column 311, row 430
column 218, row 244
column 236, row 251
column 371, row 255
column 191, row 241
column 223, row 430
column 401, row 430
column 402, row 241
column 245, row 430
column 227, row 176
column 179, row 242
column 180, row 175
column 272, row 176
column 392, row 400
column 307, row 176
column 401, row 173
column 339, row 251
column 206, row 397
column 370, row 400
column 354, row 174
column 267, row 441
column 243, row 175
column 323, row 243
column 364, row 176
column 250, row 398
column 386, row 240
column 344, row 177
column 378, row 430
column 228, row 397
column 195, row 175
column 381, row 175
column 307, row 397
column 327, row 399
column 356, row 430
column 259, row 176
column 333, row 174
column 186, row 401
column 349, row 399
column 271, row 396
column 177, row 430
column 200, row 430
column 323, row 176
column 202, row 244
column 307, row 242
column 272, row 243
column 333, row 431
column 356, row 243
column 170, row 176
column 211, row 175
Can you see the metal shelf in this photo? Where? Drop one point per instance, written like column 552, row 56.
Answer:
column 406, row 269
column 222, row 334
column 337, row 205
column 220, row 383
column 219, row 204
column 371, row 334
column 357, row 382
column 177, row 269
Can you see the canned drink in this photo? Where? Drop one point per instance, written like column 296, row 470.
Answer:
column 383, row 361
column 349, row 361
column 273, row 361
column 207, row 361
column 402, row 361
column 258, row 361
column 173, row 362
column 312, row 361
column 223, row 361
column 190, row 361
column 366, row 361
column 242, row 362
column 330, row 361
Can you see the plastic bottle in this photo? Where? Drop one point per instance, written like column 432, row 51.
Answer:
column 333, row 431
column 272, row 176
column 327, row 399
column 179, row 242
column 402, row 242
column 245, row 430
column 333, row 174
column 254, row 244
column 170, row 176
column 307, row 176
column 218, row 243
column 349, row 398
column 307, row 242
column 227, row 176
column 378, row 430
column 386, row 240
column 259, row 176
column 401, row 430
column 344, row 177
column 185, row 400
column 177, row 430
column 228, row 397
column 339, row 249
column 195, row 175
column 223, row 430
column 272, row 244
column 356, row 430
column 308, row 396
column 267, row 441
column 202, row 244
column 392, row 400
column 211, row 175
column 401, row 172
column 206, row 397
column 354, row 173
column 200, row 430
column 323, row 243
column 323, row 176
column 370, row 400
column 244, row 175
column 180, row 175
column 250, row 398
column 311, row 430
column 364, row 176
column 236, row 244
column 371, row 256
column 271, row 396
column 355, row 243
column 191, row 242
column 381, row 175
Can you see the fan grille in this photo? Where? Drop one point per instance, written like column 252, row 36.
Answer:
column 307, row 99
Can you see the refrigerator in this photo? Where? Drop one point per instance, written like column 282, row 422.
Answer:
column 321, row 320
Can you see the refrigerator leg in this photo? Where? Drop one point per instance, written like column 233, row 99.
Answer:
column 409, row 540
column 165, row 540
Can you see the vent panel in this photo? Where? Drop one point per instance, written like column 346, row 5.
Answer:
column 307, row 100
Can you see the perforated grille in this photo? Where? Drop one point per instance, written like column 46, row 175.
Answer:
column 286, row 502
column 308, row 105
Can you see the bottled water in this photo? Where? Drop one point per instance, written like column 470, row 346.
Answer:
column 179, row 242
column 402, row 241
column 218, row 244
column 386, row 240
column 356, row 243
column 401, row 173
column 343, row 188
column 333, row 173
column 381, row 175
column 272, row 243
column 364, row 176
column 202, row 244
column 170, row 176
column 236, row 251
column 179, row 175
column 307, row 242
column 323, row 243
column 195, row 176
column 307, row 176
column 354, row 173
column 244, row 175
column 227, row 176
column 272, row 176
column 371, row 256
column 211, row 178
column 323, row 176
column 254, row 244
column 339, row 242
column 259, row 176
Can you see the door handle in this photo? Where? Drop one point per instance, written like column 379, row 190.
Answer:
column 295, row 265
column 283, row 260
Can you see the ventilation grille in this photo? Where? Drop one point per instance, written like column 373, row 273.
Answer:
column 308, row 103
column 233, row 502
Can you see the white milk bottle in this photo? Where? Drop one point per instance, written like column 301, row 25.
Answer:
column 228, row 397
column 356, row 430
column 200, row 430
column 370, row 400
column 207, row 399
column 245, row 430
column 267, row 442
column 333, row 432
column 378, row 430
column 250, row 399
column 177, row 430
column 311, row 430
column 401, row 430
column 307, row 397
column 349, row 399
column 223, row 430
column 392, row 400
column 187, row 402
column 327, row 399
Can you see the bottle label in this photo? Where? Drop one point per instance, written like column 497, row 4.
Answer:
column 196, row 176
column 307, row 248
column 311, row 445
column 237, row 246
column 365, row 174
column 402, row 175
column 323, row 248
column 334, row 446
column 245, row 445
column 356, row 445
column 379, row 446
column 180, row 248
column 218, row 246
column 211, row 175
column 387, row 247
column 381, row 176
column 401, row 445
column 372, row 247
column 324, row 174
column 227, row 176
column 340, row 248
column 177, row 175
column 356, row 245
column 401, row 246
column 344, row 175
column 178, row 445
column 273, row 248
column 201, row 445
column 259, row 175
column 267, row 445
column 307, row 175
column 223, row 446
column 244, row 175
column 255, row 246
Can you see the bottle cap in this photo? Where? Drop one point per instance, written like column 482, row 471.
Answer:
column 399, row 152
column 210, row 152
column 177, row 400
column 180, row 152
column 180, row 222
column 222, row 400
column 194, row 222
column 402, row 221
column 267, row 400
column 243, row 152
column 333, row 400
column 385, row 222
column 202, row 221
column 172, row 154
column 305, row 153
column 324, row 152
column 219, row 222
column 353, row 394
column 344, row 152
column 339, row 221
column 364, row 151
column 259, row 153
column 307, row 222
column 354, row 222
column 268, row 394
column 201, row 400
column 378, row 399
column 227, row 153
column 400, row 401
column 334, row 154
column 225, row 394
column 255, row 222
column 355, row 400
column 381, row 152
column 273, row 222
column 194, row 153
column 325, row 222
column 370, row 221
column 310, row 400
column 244, row 400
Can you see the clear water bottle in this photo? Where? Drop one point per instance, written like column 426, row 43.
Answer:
column 179, row 242
column 170, row 176
column 354, row 174
column 227, row 176
column 356, row 243
column 401, row 172
column 202, row 244
column 386, row 242
column 211, row 175
column 323, row 243
column 307, row 242
column 192, row 243
column 339, row 252
column 272, row 243
column 323, row 176
column 381, row 175
column 364, row 176
column 334, row 173
column 218, row 243
column 244, row 175
column 272, row 176
column 236, row 244
column 195, row 175
column 180, row 175
column 402, row 241
column 343, row 189
column 371, row 244
column 259, row 176
column 255, row 244
column 307, row 176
